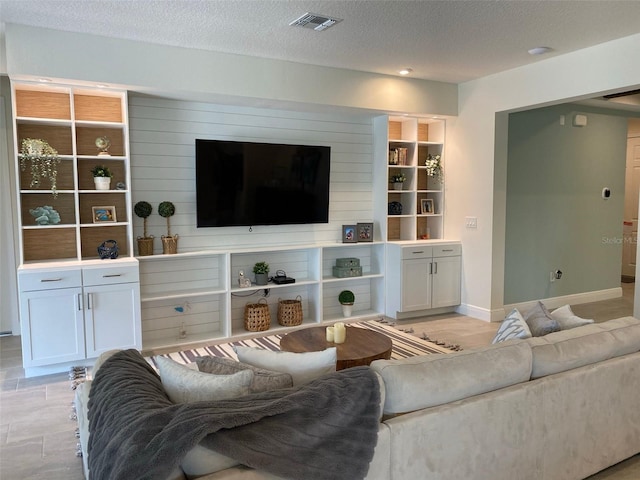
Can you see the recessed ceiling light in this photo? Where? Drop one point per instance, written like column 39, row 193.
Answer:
column 405, row 71
column 102, row 85
column 539, row 50
column 44, row 80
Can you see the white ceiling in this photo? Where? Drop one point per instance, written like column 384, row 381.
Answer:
column 450, row 41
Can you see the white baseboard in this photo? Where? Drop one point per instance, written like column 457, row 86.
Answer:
column 484, row 314
column 498, row 314
column 574, row 299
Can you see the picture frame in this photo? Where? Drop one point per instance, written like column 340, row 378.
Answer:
column 426, row 206
column 349, row 234
column 365, row 232
column 104, row 214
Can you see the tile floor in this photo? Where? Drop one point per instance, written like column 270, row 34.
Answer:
column 37, row 440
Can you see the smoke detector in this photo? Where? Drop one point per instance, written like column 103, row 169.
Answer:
column 315, row 21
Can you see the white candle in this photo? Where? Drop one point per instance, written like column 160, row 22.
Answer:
column 339, row 333
column 330, row 334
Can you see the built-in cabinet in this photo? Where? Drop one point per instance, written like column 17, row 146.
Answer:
column 422, row 278
column 71, row 313
column 195, row 297
column 70, row 120
column 414, row 208
column 73, row 306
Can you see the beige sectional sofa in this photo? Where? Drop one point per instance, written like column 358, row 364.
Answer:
column 563, row 406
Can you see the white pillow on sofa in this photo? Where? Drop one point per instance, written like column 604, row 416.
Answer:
column 567, row 319
column 513, row 326
column 303, row 367
column 185, row 385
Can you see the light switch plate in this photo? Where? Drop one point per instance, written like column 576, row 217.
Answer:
column 471, row 222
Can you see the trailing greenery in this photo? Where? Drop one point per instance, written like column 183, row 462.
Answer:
column 261, row 267
column 143, row 209
column 346, row 297
column 43, row 159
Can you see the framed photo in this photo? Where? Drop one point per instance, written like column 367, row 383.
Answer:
column 426, row 206
column 365, row 232
column 104, row 214
column 349, row 234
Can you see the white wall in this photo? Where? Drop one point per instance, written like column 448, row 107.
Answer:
column 217, row 77
column 162, row 137
column 477, row 154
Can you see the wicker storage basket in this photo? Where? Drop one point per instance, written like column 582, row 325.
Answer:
column 257, row 317
column 290, row 312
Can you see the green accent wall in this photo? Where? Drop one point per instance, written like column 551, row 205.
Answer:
column 556, row 216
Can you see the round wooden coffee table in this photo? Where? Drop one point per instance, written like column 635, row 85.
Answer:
column 361, row 347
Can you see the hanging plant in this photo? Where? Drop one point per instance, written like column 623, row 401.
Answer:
column 434, row 166
column 43, row 161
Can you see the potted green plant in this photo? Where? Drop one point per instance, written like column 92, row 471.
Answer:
column 102, row 177
column 145, row 243
column 261, row 270
column 346, row 299
column 43, row 161
column 169, row 242
column 397, row 180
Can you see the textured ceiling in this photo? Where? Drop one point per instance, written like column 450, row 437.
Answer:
column 451, row 41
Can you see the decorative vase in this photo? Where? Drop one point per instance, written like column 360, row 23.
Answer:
column 347, row 309
column 262, row 278
column 145, row 246
column 169, row 244
column 102, row 183
column 397, row 186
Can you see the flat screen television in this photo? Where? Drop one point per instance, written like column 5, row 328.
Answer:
column 247, row 183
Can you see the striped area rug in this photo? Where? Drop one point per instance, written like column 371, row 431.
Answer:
column 404, row 345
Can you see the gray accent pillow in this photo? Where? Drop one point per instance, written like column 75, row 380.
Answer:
column 513, row 326
column 184, row 385
column 567, row 319
column 263, row 380
column 540, row 321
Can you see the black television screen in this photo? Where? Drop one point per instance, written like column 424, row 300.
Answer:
column 246, row 183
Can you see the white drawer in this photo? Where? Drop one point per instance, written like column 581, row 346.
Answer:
column 49, row 280
column 110, row 275
column 447, row 250
column 421, row 251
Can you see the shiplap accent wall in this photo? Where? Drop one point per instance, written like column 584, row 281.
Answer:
column 162, row 138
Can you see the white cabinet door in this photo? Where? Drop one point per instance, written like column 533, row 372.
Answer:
column 112, row 317
column 53, row 326
column 416, row 284
column 446, row 282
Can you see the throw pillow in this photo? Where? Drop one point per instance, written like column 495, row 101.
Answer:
column 303, row 367
column 263, row 380
column 567, row 319
column 540, row 321
column 513, row 326
column 184, row 385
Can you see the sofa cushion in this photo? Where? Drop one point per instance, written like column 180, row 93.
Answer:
column 303, row 367
column 185, row 385
column 263, row 380
column 513, row 326
column 540, row 321
column 567, row 319
column 425, row 381
column 569, row 349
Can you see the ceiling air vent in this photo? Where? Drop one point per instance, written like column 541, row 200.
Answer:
column 315, row 21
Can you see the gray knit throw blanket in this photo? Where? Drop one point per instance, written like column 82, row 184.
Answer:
column 324, row 430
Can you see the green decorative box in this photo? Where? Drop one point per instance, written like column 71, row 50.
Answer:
column 344, row 272
column 348, row 262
